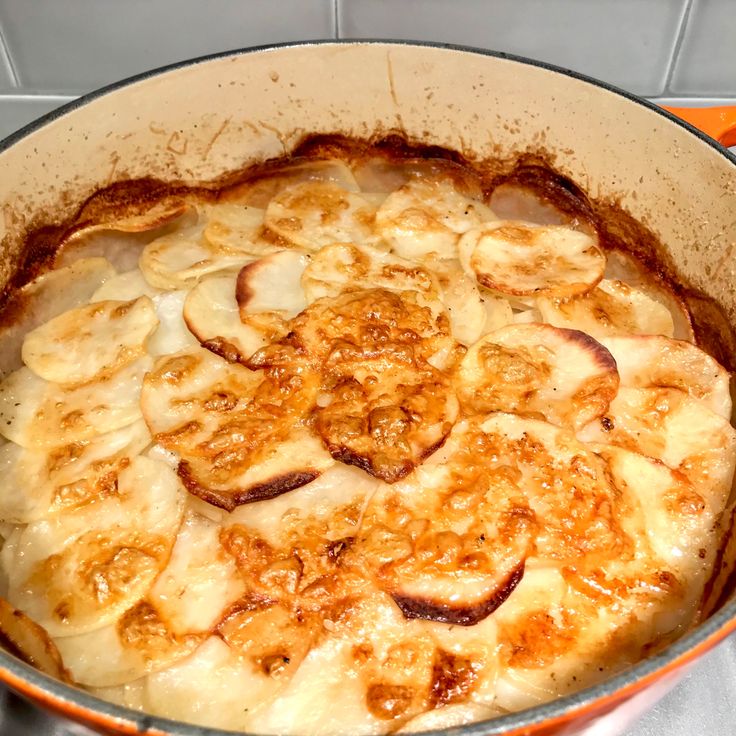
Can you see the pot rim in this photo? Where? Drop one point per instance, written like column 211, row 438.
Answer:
column 85, row 707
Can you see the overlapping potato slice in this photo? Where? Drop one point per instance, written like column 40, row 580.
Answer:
column 88, row 342
column 272, row 285
column 260, row 190
column 427, row 217
column 179, row 259
column 347, row 267
column 524, row 259
column 216, row 687
column 186, row 602
column 671, row 426
column 46, row 297
column 382, row 406
column 37, row 414
column 449, row 544
column 677, row 521
column 612, row 308
column 473, row 311
column 622, row 266
column 124, row 287
column 77, row 571
column 29, row 642
column 653, row 361
column 237, row 227
column 212, row 315
column 314, row 214
column 199, row 583
column 139, row 642
column 241, row 436
column 37, row 483
column 535, row 369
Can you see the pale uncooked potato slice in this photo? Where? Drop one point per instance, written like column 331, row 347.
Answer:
column 88, row 342
column 523, row 259
column 428, row 217
column 272, row 284
column 178, row 260
column 138, row 643
column 612, row 308
column 37, row 414
column 199, row 582
column 46, row 297
column 653, row 361
column 241, row 436
column 124, row 287
column 212, row 315
column 563, row 375
column 672, row 426
column 79, row 570
column 314, row 214
column 36, row 483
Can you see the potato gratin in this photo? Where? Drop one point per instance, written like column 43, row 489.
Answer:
column 355, row 446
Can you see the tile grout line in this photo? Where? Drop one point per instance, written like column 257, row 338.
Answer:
column 336, row 17
column 677, row 46
column 5, row 54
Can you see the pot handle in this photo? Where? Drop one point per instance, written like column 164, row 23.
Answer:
column 717, row 122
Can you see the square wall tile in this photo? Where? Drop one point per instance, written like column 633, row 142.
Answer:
column 17, row 111
column 78, row 45
column 625, row 42
column 706, row 63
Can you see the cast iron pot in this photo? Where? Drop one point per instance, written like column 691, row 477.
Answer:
column 195, row 120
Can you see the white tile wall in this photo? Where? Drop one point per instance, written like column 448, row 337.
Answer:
column 77, row 45
column 626, row 42
column 707, row 59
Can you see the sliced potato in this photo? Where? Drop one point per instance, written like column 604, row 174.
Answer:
column 215, row 687
column 137, row 643
column 46, row 297
column 124, row 287
column 347, row 267
column 30, row 642
column 272, row 284
column 91, row 341
column 212, row 315
column 677, row 521
column 652, row 361
column 523, row 259
column 612, row 308
column 172, row 333
column 241, row 436
column 37, row 483
column 671, row 426
column 564, row 376
column 314, row 214
column 428, row 217
column 79, row 570
column 199, row 582
column 37, row 414
column 237, row 227
column 178, row 260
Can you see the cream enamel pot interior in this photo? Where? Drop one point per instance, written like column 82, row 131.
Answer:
column 196, row 120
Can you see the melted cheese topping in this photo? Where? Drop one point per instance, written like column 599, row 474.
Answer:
column 338, row 460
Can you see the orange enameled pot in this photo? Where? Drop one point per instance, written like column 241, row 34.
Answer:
column 195, row 120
